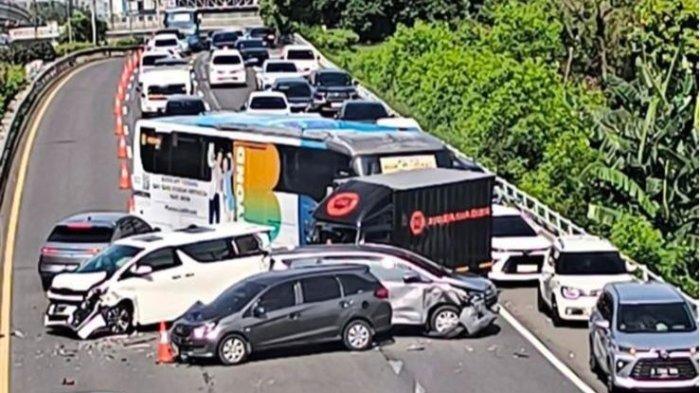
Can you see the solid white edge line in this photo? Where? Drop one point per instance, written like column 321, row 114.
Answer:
column 542, row 349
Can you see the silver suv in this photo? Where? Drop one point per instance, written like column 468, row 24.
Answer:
column 644, row 336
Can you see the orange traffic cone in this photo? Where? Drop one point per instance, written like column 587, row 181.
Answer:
column 165, row 351
column 119, row 126
column 130, row 206
column 117, row 106
column 120, row 91
column 124, row 179
column 121, row 147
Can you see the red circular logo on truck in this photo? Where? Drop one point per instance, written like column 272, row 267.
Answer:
column 342, row 204
column 417, row 223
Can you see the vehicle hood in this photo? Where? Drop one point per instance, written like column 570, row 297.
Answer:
column 526, row 243
column 336, row 89
column 668, row 341
column 469, row 281
column 78, row 281
column 591, row 282
column 200, row 313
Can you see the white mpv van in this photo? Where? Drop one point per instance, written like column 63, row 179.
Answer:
column 155, row 277
column 160, row 83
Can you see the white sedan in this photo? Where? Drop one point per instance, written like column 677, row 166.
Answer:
column 271, row 70
column 226, row 66
column 268, row 102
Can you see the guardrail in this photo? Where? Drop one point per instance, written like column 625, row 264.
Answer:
column 32, row 95
column 549, row 219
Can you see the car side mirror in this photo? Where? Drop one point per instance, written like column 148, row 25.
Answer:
column 242, row 108
column 259, row 312
column 412, row 278
column 602, row 324
column 355, row 82
column 140, row 270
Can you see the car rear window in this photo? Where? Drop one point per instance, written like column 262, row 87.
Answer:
column 590, row 263
column 354, row 284
column 281, row 67
column 268, row 103
column 319, row 289
column 227, row 59
column 364, row 111
column 185, row 107
column 167, row 90
column 511, row 226
column 304, row 54
column 79, row 233
column 295, row 89
column 151, row 60
column 210, row 251
column 225, row 37
column 166, row 42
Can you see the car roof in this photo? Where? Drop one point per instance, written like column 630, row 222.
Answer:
column 363, row 102
column 645, row 292
column 99, row 218
column 192, row 234
column 157, row 52
column 227, row 30
column 266, row 93
column 228, row 52
column 185, row 97
column 296, row 79
column 277, row 61
column 328, row 249
column 298, row 47
column 165, row 36
column 421, row 178
column 583, row 243
column 165, row 75
column 331, row 71
column 502, row 210
column 275, row 276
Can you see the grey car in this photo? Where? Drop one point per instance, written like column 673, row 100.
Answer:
column 78, row 238
column 421, row 292
column 286, row 308
column 644, row 336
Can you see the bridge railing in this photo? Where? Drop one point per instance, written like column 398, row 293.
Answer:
column 30, row 96
column 552, row 221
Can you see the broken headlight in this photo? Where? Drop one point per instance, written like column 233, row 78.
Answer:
column 208, row 330
column 91, row 298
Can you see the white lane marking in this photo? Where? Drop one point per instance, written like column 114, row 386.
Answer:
column 125, row 110
column 128, row 152
column 126, row 97
column 558, row 364
column 126, row 129
column 200, row 93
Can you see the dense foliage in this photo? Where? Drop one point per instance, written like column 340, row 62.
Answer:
column 11, row 81
column 25, row 52
column 588, row 106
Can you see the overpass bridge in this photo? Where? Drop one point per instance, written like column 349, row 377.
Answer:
column 11, row 15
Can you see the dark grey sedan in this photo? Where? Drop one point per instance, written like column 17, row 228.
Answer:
column 298, row 91
column 79, row 237
column 285, row 308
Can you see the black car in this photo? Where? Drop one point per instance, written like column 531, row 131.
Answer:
column 286, row 308
column 264, row 33
column 254, row 51
column 298, row 91
column 362, row 110
column 223, row 39
column 183, row 105
column 331, row 88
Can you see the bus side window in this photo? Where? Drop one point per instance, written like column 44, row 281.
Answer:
column 310, row 171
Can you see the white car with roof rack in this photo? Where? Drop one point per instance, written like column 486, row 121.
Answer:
column 575, row 271
column 156, row 277
column 518, row 246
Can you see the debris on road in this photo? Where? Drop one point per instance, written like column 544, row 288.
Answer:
column 416, row 347
column 68, row 381
column 469, row 348
column 522, row 354
column 17, row 333
column 396, row 365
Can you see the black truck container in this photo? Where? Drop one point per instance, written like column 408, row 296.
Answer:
column 442, row 214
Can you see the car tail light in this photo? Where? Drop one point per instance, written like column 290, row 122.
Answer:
column 48, row 251
column 381, row 292
column 94, row 250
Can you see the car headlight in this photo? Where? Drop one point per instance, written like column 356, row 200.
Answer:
column 208, row 330
column 570, row 292
column 91, row 298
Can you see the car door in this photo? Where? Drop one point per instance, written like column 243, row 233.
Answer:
column 601, row 336
column 546, row 277
column 406, row 298
column 160, row 295
column 322, row 308
column 278, row 324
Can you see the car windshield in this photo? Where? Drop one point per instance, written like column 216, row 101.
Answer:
column 226, row 59
column 333, row 79
column 268, row 103
column 260, row 31
column 225, row 37
column 295, row 89
column 511, row 226
column 166, row 42
column 109, row 260
column 79, row 233
column 167, row 90
column 590, row 263
column 281, row 67
column 248, row 44
column 654, row 318
column 233, row 299
column 184, row 107
column 367, row 111
column 151, row 60
column 300, row 54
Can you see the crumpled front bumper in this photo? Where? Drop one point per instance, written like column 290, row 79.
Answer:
column 476, row 316
column 83, row 322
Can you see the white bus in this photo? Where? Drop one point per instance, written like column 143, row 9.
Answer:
column 265, row 169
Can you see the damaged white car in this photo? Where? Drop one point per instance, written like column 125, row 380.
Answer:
column 155, row 277
column 421, row 292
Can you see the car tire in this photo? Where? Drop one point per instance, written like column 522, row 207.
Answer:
column 610, row 381
column 232, row 350
column 541, row 306
column 357, row 335
column 592, row 361
column 444, row 321
column 556, row 319
column 120, row 318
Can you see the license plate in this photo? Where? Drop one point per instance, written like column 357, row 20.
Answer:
column 665, row 372
column 336, row 104
column 526, row 269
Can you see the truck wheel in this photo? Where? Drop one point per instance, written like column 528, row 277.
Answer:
column 357, row 335
column 541, row 306
column 120, row 318
column 444, row 320
column 556, row 319
column 232, row 350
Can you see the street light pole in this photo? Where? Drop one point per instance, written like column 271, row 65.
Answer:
column 94, row 22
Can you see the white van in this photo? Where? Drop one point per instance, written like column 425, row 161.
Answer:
column 155, row 277
column 164, row 42
column 226, row 66
column 160, row 83
column 303, row 56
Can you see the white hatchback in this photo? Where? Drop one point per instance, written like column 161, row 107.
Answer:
column 226, row 66
column 268, row 102
column 303, row 56
column 155, row 277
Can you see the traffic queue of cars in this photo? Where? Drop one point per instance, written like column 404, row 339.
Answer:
column 243, row 295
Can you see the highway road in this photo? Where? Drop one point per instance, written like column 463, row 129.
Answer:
column 73, row 167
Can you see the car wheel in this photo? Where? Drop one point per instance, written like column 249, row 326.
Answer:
column 120, row 318
column 444, row 320
column 556, row 319
column 357, row 335
column 541, row 306
column 610, row 381
column 233, row 349
column 592, row 361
